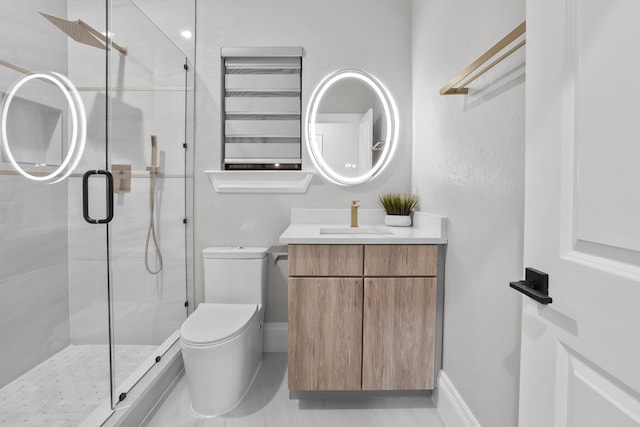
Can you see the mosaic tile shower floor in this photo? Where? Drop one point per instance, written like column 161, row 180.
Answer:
column 64, row 389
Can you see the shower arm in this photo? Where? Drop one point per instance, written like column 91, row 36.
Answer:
column 95, row 33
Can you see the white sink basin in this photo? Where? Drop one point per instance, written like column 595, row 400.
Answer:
column 356, row 230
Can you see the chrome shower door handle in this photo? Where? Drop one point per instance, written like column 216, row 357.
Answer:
column 85, row 196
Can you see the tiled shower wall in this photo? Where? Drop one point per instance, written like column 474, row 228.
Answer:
column 53, row 273
column 34, row 303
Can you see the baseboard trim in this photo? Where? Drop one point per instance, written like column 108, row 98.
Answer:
column 275, row 337
column 452, row 408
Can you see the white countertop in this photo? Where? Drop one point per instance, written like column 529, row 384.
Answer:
column 331, row 226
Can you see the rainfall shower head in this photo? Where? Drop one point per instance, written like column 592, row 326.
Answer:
column 75, row 30
column 83, row 33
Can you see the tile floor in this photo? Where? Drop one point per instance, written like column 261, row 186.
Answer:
column 267, row 404
column 64, row 389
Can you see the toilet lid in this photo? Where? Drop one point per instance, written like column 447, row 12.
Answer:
column 211, row 323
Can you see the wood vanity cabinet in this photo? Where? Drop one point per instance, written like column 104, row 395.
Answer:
column 362, row 317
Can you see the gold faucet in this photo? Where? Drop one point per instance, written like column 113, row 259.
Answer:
column 354, row 213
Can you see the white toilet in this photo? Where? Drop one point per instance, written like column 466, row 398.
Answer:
column 222, row 339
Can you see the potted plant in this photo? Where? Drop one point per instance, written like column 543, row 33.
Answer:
column 398, row 208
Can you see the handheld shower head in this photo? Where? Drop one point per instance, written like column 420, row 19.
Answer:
column 154, row 151
column 153, row 167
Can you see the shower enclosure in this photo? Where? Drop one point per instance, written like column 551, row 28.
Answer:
column 84, row 86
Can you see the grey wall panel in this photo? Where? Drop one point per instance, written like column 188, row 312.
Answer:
column 34, row 323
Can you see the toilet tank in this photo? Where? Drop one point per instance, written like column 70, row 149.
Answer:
column 235, row 275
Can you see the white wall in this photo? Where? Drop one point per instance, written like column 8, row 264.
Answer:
column 334, row 34
column 468, row 164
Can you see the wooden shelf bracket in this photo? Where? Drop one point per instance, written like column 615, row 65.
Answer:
column 466, row 76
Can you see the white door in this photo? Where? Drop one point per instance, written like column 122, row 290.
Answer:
column 580, row 361
column 365, row 151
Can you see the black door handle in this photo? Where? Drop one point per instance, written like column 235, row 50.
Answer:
column 85, row 196
column 535, row 285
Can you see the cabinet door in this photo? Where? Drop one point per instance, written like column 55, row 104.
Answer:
column 325, row 260
column 400, row 260
column 325, row 333
column 399, row 333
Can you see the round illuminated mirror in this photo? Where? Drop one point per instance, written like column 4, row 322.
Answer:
column 34, row 127
column 352, row 127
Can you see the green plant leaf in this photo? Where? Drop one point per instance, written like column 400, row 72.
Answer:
column 398, row 204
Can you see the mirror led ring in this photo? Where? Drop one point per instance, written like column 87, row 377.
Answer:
column 391, row 116
column 81, row 125
column 78, row 119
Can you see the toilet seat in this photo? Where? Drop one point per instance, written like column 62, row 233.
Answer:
column 212, row 324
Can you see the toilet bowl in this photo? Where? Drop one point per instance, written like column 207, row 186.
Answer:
column 222, row 352
column 222, row 339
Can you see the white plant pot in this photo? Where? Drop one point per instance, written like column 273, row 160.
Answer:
column 398, row 220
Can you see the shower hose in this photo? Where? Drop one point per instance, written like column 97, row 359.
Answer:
column 151, row 232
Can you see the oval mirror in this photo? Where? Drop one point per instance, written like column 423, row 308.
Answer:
column 352, row 127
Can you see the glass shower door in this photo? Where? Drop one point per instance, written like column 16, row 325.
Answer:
column 54, row 363
column 147, row 148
